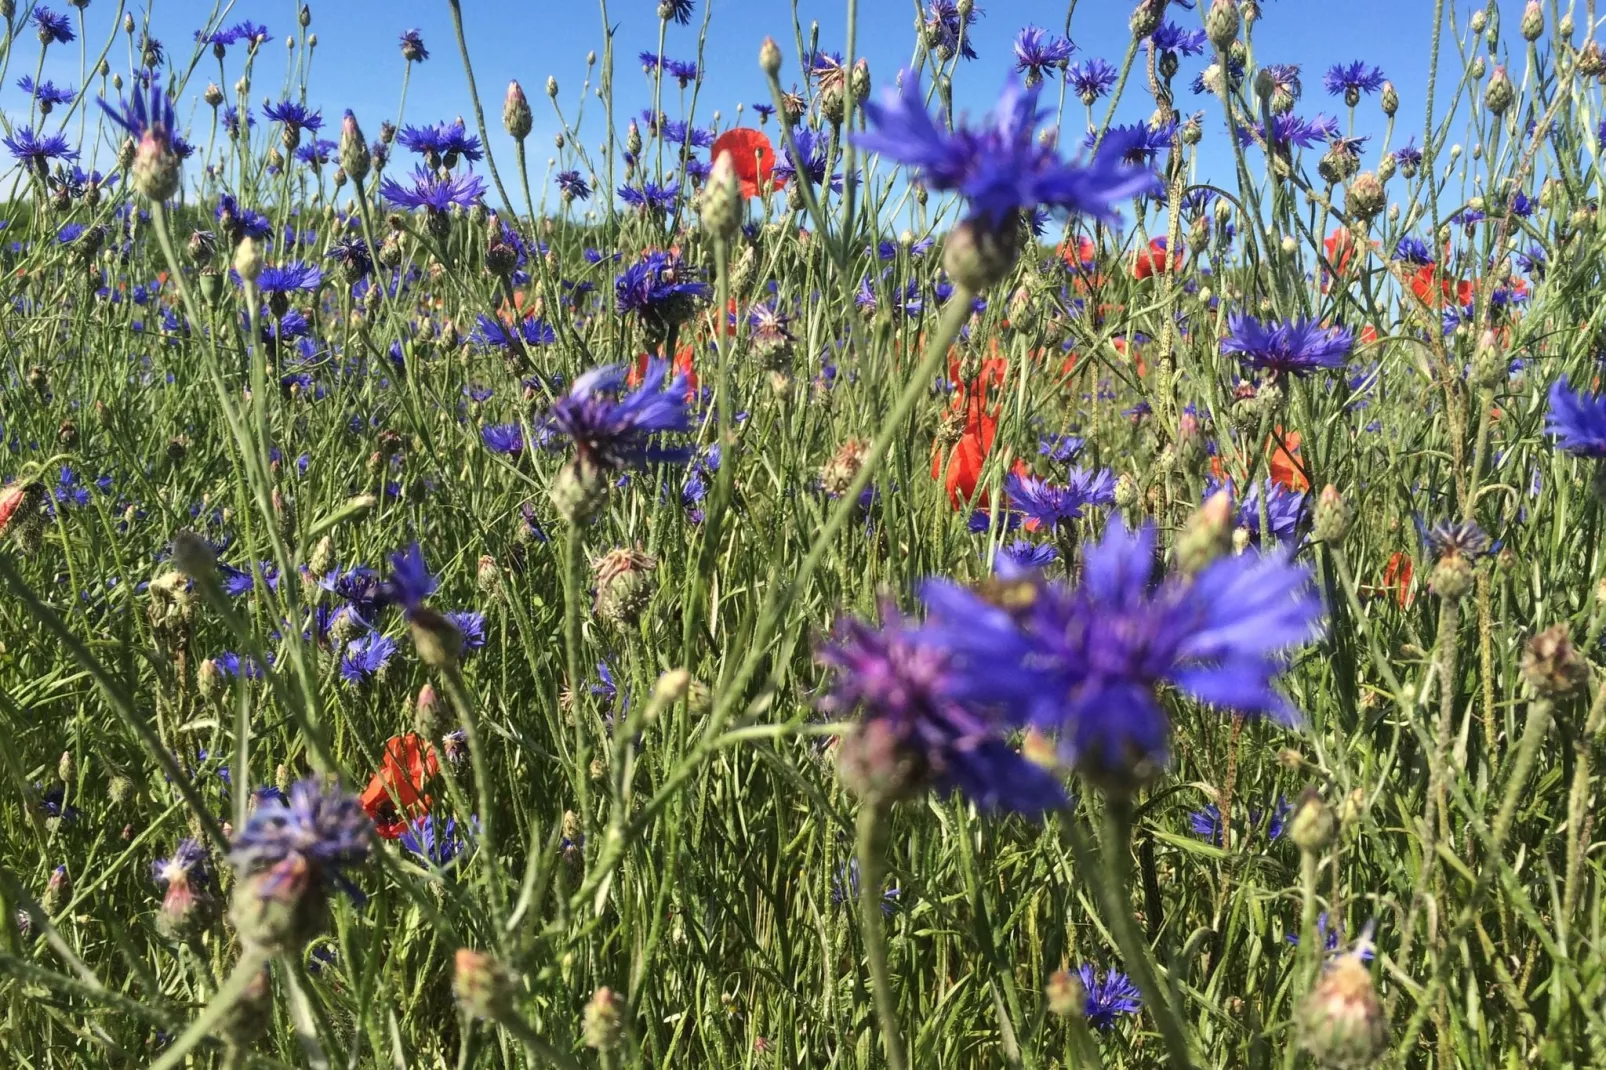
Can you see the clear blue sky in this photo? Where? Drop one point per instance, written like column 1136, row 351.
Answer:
column 357, row 64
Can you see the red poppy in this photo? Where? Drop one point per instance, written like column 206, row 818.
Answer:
column 1368, row 335
column 11, row 499
column 1340, row 247
column 1078, row 256
column 1397, row 578
column 1155, row 259
column 396, row 793
column 753, row 157
column 683, row 366
column 1286, row 466
column 1422, row 285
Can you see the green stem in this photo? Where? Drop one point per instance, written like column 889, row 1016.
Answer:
column 872, row 836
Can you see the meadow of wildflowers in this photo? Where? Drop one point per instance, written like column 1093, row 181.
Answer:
column 856, row 585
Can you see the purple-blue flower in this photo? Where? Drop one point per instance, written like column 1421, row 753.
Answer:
column 1001, row 169
column 304, row 844
column 949, row 31
column 294, row 116
column 53, row 28
column 911, row 698
column 1576, row 420
column 444, row 141
column 658, row 288
column 651, row 196
column 45, row 93
column 1088, row 661
column 812, row 150
column 433, row 191
column 412, row 46
column 675, row 11
column 35, row 151
column 1170, row 37
column 1091, row 79
column 1039, row 53
column 573, row 186
column 1285, row 508
column 364, row 658
column 1049, row 505
column 611, row 432
column 431, row 838
column 1350, row 80
column 1108, row 996
column 1296, row 347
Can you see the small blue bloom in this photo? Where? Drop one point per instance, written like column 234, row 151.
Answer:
column 1039, row 53
column 1296, row 347
column 612, row 433
column 1576, row 420
column 1108, row 996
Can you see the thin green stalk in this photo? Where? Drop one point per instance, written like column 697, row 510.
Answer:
column 873, row 818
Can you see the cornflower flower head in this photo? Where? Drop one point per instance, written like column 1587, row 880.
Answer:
column 470, row 625
column 506, row 439
column 651, row 197
column 293, row 853
column 1169, row 37
column 659, row 289
column 1331, row 938
column 186, row 883
column 442, row 144
column 1576, row 420
column 351, row 253
column 435, row 840
column 1091, row 79
column 1089, row 661
column 316, row 152
column 294, row 116
column 435, row 192
column 812, row 150
column 220, row 40
column 573, row 187
column 1048, row 506
column 53, row 28
column 1142, row 142
column 1289, row 130
column 45, row 93
column 1285, row 508
column 1039, row 53
column 365, row 658
column 947, row 31
column 1350, row 80
column 845, row 888
column 1412, row 250
column 412, row 46
column 918, row 729
column 683, row 71
column 252, row 33
column 1001, row 169
column 611, row 433
column 289, row 277
column 1296, row 347
column 1021, row 558
column 35, row 151
column 1108, row 996
column 1060, row 448
column 678, row 11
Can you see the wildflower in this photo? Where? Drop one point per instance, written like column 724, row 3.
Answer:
column 611, row 433
column 1087, row 660
column 1342, row 1022
column 1001, row 170
column 1091, row 79
column 252, row 33
column 845, row 889
column 45, row 93
column 439, row 842
column 1047, row 506
column 753, row 157
column 53, row 28
column 352, row 254
column 187, row 903
column 675, row 11
column 1289, row 130
column 365, row 658
column 395, row 794
column 918, row 727
column 947, row 26
column 442, row 144
column 471, row 626
column 655, row 288
column 1412, row 250
column 294, row 116
column 1331, row 938
column 1037, row 52
column 810, row 160
column 290, row 855
column 35, row 151
column 572, row 187
column 1285, row 509
column 437, row 193
column 651, row 196
column 1108, row 997
column 1171, row 38
column 1020, row 557
column 1577, row 420
column 412, row 47
column 1296, row 347
column 1350, row 80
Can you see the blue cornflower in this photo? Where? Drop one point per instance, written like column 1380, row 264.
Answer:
column 1001, row 169
column 218, row 39
column 232, row 121
column 812, row 150
column 252, row 33
column 1038, row 52
column 1288, row 130
column 1108, row 996
column 1413, row 250
column 1170, row 37
column 316, row 152
column 1087, row 661
column 947, row 31
column 683, row 71
column 34, row 151
column 70, row 232
column 241, row 222
column 1091, row 79
column 45, row 93
column 651, row 196
column 914, row 708
column 1408, row 157
column 304, row 844
column 410, row 580
column 1020, row 557
column 1350, row 80
column 1061, row 449
column 573, row 187
column 845, row 889
column 471, row 626
column 352, row 254
column 506, row 439
column 241, row 581
column 294, row 116
column 1048, row 505
column 412, row 46
column 1296, row 347
column 53, row 28
column 676, row 132
column 435, row 192
column 675, row 11
column 1576, row 420
column 530, row 331
column 365, row 658
column 289, row 277
column 187, row 863
column 763, row 111
column 656, row 287
column 611, row 433
column 1141, row 142
column 1453, row 538
column 445, row 141
column 1332, row 939
column 1534, row 261
column 1285, row 508
column 438, row 841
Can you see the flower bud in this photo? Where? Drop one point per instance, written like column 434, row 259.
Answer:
column 248, row 260
column 1207, row 534
column 438, row 640
column 1341, row 1021
column 482, row 985
column 1067, row 996
column 1331, row 523
column 354, row 160
column 1452, row 577
column 625, row 586
column 1364, row 197
column 1533, row 22
column 1390, row 99
column 1551, row 664
column 1478, row 21
column 58, row 889
column 1146, row 17
column 876, row 763
column 1222, row 23
column 1499, row 94
column 769, row 57
column 978, row 256
column 1312, row 825
column 603, row 1024
column 719, row 206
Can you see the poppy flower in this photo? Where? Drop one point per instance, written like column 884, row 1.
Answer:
column 1422, row 285
column 683, row 367
column 1397, row 578
column 753, row 157
column 1154, row 260
column 1287, row 467
column 1078, row 256
column 396, row 793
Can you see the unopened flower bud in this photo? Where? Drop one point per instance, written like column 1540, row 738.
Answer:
column 876, row 763
column 719, row 206
column 1222, row 23
column 769, row 57
column 978, row 256
column 248, row 260
column 1364, row 198
column 602, row 1026
column 1390, row 99
column 1499, row 94
column 1313, row 824
column 482, row 985
column 1331, row 523
column 1207, row 534
column 1533, row 21
column 1067, row 996
column 1552, row 665
column 1342, row 1023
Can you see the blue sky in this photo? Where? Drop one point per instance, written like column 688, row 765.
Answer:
column 357, row 63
